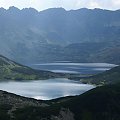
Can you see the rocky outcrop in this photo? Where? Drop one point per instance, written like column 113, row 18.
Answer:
column 65, row 114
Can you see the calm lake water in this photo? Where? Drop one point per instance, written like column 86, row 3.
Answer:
column 68, row 67
column 55, row 88
column 46, row 89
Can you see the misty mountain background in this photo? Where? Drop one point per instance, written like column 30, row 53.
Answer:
column 84, row 35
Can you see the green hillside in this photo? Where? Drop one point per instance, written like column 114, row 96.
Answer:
column 10, row 70
column 108, row 77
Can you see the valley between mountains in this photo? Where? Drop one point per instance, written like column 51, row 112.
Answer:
column 30, row 37
column 80, row 107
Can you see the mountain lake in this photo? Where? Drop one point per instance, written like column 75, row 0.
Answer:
column 58, row 87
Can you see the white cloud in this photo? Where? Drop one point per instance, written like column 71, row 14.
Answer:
column 116, row 2
column 67, row 4
column 94, row 4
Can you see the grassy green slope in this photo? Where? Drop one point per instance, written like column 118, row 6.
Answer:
column 13, row 71
column 108, row 77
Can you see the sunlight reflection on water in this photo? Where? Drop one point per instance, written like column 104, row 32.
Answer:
column 46, row 89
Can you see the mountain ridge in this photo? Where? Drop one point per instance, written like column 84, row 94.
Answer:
column 48, row 33
column 84, row 8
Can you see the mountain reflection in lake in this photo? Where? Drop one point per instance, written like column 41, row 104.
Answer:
column 46, row 89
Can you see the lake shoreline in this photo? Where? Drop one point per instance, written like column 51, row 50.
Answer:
column 46, row 90
column 63, row 81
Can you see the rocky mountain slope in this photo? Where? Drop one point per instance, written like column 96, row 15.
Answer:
column 29, row 36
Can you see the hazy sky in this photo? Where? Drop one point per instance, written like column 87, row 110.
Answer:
column 67, row 4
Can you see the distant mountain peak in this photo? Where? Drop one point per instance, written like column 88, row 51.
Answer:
column 55, row 9
column 2, row 8
column 13, row 8
column 42, row 36
column 29, row 9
